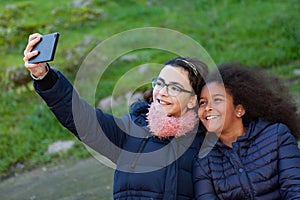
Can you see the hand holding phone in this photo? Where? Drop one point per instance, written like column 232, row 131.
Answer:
column 46, row 48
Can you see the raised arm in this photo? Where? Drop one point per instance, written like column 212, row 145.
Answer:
column 102, row 132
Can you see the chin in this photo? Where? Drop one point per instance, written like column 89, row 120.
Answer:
column 211, row 129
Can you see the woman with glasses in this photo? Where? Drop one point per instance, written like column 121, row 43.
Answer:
column 154, row 145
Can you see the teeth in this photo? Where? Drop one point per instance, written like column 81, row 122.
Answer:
column 211, row 117
column 162, row 102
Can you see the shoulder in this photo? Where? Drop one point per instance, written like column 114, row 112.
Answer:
column 265, row 132
column 261, row 127
column 208, row 155
column 138, row 112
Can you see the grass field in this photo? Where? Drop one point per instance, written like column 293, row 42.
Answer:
column 263, row 34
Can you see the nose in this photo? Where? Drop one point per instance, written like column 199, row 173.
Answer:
column 164, row 90
column 208, row 107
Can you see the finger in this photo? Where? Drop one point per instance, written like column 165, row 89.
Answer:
column 32, row 66
column 34, row 36
column 29, row 65
column 31, row 44
column 29, row 55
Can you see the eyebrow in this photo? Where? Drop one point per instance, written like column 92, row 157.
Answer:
column 175, row 83
column 214, row 95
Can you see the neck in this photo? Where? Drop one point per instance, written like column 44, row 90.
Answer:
column 164, row 126
column 228, row 138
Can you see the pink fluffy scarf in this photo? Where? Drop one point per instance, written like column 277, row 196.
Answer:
column 164, row 126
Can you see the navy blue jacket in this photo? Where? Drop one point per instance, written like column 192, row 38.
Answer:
column 147, row 167
column 264, row 164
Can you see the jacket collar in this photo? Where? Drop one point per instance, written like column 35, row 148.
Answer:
column 254, row 129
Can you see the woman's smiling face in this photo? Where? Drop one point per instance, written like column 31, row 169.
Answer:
column 174, row 105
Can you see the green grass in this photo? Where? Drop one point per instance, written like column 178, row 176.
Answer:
column 259, row 33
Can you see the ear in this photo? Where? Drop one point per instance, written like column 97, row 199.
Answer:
column 193, row 102
column 240, row 110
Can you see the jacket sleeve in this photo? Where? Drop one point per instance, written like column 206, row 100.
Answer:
column 203, row 185
column 288, row 164
column 100, row 131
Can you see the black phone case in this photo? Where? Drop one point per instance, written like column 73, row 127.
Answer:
column 46, row 48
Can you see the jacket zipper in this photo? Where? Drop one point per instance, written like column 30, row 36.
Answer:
column 141, row 148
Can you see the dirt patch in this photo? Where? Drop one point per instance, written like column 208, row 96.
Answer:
column 84, row 179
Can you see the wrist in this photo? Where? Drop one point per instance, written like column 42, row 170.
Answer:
column 40, row 74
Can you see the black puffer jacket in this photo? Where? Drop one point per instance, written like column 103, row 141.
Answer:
column 264, row 164
column 147, row 167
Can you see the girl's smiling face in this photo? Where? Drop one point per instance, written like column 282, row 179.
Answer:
column 217, row 111
column 174, row 105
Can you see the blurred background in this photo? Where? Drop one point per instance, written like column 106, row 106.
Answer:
column 262, row 34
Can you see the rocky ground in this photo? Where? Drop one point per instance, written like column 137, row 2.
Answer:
column 75, row 180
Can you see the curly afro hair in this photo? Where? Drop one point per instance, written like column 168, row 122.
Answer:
column 262, row 95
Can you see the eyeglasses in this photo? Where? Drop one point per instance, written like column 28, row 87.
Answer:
column 172, row 89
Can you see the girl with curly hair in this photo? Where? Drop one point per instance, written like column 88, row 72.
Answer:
column 256, row 155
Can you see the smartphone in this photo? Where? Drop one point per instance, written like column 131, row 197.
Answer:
column 46, row 48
